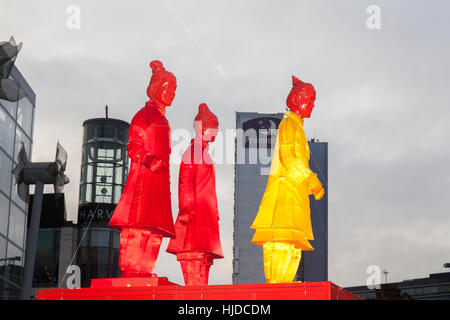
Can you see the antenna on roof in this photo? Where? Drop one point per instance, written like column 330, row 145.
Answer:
column 106, row 111
column 385, row 272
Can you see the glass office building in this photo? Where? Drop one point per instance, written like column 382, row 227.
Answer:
column 16, row 127
column 104, row 170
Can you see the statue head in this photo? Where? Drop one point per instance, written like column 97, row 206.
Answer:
column 206, row 124
column 162, row 84
column 301, row 98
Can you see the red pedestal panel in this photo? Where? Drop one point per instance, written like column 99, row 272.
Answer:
column 283, row 291
column 131, row 282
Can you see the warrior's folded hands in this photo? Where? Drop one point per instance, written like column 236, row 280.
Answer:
column 155, row 163
column 185, row 217
column 318, row 190
column 320, row 194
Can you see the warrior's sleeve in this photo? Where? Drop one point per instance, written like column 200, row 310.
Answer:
column 187, row 188
column 296, row 164
column 136, row 140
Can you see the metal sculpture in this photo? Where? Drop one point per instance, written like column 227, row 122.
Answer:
column 283, row 224
column 25, row 174
column 197, row 241
column 144, row 214
column 9, row 89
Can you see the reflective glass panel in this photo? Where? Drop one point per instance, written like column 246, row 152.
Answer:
column 20, row 137
column 115, row 240
column 90, row 173
column 46, row 264
column 5, row 173
column 118, row 175
column 114, row 271
column 16, row 231
column 105, row 152
column 84, row 237
column 103, row 194
column 14, row 264
column 106, row 131
column 82, row 194
column 2, row 254
column 89, row 133
column 6, row 132
column 4, row 214
column 122, row 134
column 104, row 173
column 88, row 192
column 99, row 262
column 17, row 200
column 25, row 114
column 99, row 238
column 11, row 107
column 48, row 241
column 117, row 193
column 120, row 152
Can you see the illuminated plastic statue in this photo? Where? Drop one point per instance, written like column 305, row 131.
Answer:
column 197, row 240
column 144, row 214
column 283, row 224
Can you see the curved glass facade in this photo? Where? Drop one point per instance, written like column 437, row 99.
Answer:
column 16, row 126
column 104, row 166
column 104, row 170
column 98, row 255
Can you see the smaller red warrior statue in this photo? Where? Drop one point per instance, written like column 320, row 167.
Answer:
column 144, row 213
column 197, row 240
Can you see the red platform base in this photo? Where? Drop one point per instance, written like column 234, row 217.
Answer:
column 276, row 291
column 131, row 282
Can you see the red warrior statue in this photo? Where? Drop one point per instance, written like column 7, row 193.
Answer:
column 143, row 214
column 197, row 240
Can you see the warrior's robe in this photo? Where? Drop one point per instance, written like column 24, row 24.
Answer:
column 284, row 213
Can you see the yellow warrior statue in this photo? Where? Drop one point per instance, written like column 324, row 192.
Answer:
column 283, row 224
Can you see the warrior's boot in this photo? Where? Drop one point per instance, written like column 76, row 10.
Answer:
column 281, row 260
column 195, row 267
column 139, row 250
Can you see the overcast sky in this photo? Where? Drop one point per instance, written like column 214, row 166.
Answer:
column 382, row 103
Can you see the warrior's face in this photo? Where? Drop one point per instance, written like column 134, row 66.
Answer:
column 163, row 91
column 206, row 124
column 301, row 100
column 306, row 103
column 210, row 134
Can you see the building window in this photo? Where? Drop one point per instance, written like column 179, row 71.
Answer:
column 16, row 226
column 99, row 238
column 430, row 290
column 14, row 264
column 47, row 259
column 5, row 173
column 21, row 137
column 25, row 115
column 115, row 239
column 6, row 132
column 4, row 214
column 11, row 107
column 2, row 254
